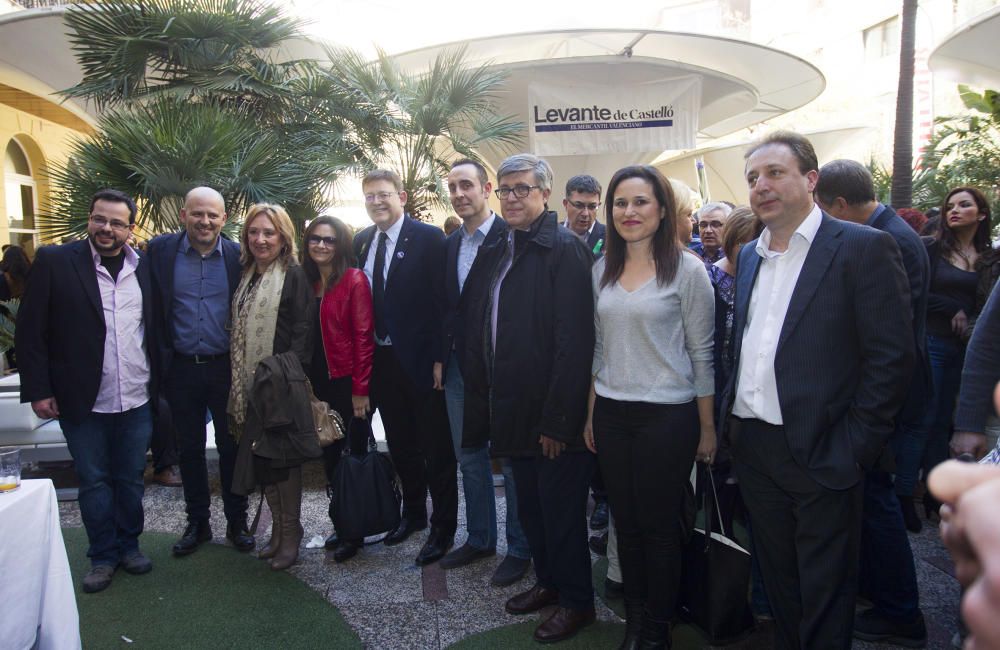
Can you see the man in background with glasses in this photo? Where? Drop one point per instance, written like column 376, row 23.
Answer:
column 195, row 274
column 528, row 359
column 404, row 262
column 711, row 219
column 84, row 357
column 582, row 202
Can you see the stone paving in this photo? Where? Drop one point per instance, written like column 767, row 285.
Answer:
column 391, row 603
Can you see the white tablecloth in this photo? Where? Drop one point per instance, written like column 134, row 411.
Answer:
column 38, row 604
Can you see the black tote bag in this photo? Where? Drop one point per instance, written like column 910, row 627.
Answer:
column 366, row 495
column 715, row 579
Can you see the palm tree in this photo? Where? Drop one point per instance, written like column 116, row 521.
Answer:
column 160, row 149
column 429, row 118
column 902, row 150
column 192, row 93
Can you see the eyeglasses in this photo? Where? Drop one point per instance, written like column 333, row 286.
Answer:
column 100, row 222
column 380, row 196
column 520, row 191
column 715, row 225
column 580, row 205
column 316, row 240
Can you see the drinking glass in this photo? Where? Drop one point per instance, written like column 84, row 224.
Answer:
column 10, row 469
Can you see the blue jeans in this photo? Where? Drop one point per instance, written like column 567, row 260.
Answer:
column 109, row 453
column 887, row 574
column 477, row 479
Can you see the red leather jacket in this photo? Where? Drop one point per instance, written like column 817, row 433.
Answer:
column 347, row 325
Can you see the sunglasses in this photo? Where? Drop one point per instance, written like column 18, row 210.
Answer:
column 316, row 240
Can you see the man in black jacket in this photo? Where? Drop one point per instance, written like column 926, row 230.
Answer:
column 83, row 342
column 887, row 575
column 812, row 293
column 528, row 359
column 195, row 274
column 404, row 261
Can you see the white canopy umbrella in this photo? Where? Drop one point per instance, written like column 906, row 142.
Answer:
column 742, row 83
column 724, row 164
column 969, row 54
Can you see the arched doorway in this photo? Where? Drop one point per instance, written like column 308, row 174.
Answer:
column 21, row 192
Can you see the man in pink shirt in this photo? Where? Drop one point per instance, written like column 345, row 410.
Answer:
column 82, row 329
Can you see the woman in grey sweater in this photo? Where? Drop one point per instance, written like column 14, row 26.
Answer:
column 651, row 400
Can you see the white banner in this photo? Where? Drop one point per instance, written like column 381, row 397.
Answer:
column 566, row 121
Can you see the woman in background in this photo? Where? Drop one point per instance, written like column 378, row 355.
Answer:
column 954, row 251
column 342, row 339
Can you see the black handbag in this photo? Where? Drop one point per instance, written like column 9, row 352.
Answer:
column 365, row 497
column 715, row 578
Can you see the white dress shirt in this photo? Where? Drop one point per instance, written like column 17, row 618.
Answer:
column 469, row 246
column 391, row 237
column 756, row 386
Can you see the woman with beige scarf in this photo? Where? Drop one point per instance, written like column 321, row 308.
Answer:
column 271, row 315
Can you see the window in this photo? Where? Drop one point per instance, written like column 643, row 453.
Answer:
column 21, row 198
column 882, row 40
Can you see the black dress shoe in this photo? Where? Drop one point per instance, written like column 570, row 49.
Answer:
column 532, row 600
column 241, row 538
column 437, row 544
column 466, row 554
column 346, row 549
column 332, row 542
column 196, row 533
column 406, row 528
column 564, row 624
column 599, row 518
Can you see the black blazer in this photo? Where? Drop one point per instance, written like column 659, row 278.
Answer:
column 162, row 254
column 918, row 272
column 60, row 330
column 845, row 352
column 414, row 295
column 598, row 233
column 454, row 306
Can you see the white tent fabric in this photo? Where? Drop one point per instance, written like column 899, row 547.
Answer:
column 969, row 54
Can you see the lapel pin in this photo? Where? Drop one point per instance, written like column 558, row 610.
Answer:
column 400, row 254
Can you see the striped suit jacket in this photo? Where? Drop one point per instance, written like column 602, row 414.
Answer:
column 845, row 353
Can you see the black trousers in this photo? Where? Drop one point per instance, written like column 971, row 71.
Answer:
column 646, row 452
column 416, row 428
column 163, row 443
column 194, row 389
column 552, row 509
column 806, row 537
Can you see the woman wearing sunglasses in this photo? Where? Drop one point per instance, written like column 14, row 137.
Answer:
column 343, row 343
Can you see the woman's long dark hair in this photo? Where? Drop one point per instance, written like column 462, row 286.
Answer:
column 15, row 265
column 980, row 240
column 666, row 249
column 343, row 251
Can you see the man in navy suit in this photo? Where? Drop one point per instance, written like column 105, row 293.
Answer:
column 823, row 358
column 85, row 358
column 404, row 262
column 845, row 190
column 582, row 202
column 195, row 273
column 469, row 189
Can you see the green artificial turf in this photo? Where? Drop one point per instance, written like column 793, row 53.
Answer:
column 215, row 598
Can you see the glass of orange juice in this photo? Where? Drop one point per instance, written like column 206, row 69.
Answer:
column 10, row 469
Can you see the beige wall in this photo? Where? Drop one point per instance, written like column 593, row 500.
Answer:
column 43, row 141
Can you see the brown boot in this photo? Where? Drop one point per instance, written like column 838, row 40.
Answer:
column 290, row 493
column 274, row 504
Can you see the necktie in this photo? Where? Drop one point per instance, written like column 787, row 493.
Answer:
column 378, row 289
